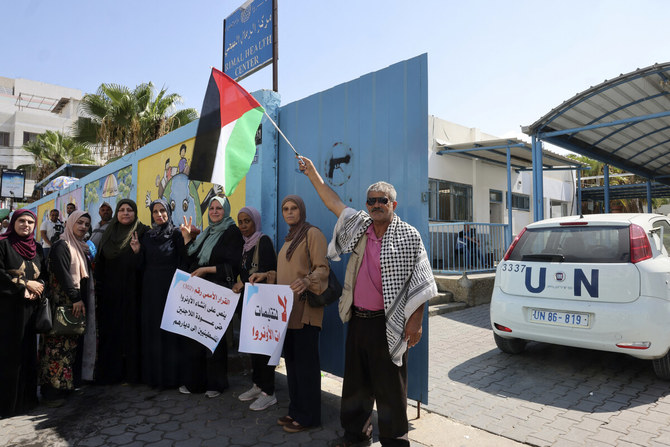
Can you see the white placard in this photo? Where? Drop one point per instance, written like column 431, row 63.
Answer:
column 265, row 313
column 198, row 309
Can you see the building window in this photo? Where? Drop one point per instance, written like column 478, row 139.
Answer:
column 4, row 139
column 520, row 202
column 495, row 196
column 29, row 136
column 449, row 202
column 558, row 208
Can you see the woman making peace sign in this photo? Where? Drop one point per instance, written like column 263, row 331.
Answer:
column 117, row 290
column 215, row 256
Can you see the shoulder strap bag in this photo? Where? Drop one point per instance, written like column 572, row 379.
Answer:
column 332, row 293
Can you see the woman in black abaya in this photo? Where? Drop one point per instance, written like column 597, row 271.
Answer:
column 117, row 288
column 22, row 274
column 162, row 253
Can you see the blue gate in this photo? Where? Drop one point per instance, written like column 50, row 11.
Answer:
column 369, row 129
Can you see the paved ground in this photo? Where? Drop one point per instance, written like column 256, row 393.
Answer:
column 139, row 416
column 549, row 395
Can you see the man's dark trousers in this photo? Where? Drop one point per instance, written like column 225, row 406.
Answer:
column 369, row 375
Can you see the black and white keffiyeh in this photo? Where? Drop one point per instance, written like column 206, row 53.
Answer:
column 407, row 276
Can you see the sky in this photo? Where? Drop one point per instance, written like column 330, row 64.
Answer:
column 494, row 65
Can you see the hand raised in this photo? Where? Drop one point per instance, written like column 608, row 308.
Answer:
column 305, row 165
column 186, row 228
column 135, row 242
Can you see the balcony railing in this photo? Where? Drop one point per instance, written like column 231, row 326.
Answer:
column 457, row 247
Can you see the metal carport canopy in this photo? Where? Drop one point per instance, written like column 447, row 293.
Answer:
column 495, row 151
column 623, row 122
column 632, row 191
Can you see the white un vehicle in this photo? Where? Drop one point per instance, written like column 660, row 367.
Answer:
column 597, row 282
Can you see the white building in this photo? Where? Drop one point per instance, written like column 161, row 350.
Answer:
column 466, row 188
column 27, row 109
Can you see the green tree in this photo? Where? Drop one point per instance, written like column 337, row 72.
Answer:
column 121, row 120
column 53, row 149
column 597, row 169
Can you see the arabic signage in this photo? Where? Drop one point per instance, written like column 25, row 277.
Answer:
column 247, row 39
column 198, row 309
column 264, row 319
column 13, row 183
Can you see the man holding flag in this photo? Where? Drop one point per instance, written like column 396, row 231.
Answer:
column 387, row 282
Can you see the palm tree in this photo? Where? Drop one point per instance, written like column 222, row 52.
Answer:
column 52, row 149
column 122, row 120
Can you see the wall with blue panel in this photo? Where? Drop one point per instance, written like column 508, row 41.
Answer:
column 357, row 133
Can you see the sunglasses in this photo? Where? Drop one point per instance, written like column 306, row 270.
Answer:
column 372, row 200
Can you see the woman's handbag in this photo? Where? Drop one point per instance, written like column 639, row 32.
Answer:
column 65, row 323
column 43, row 320
column 332, row 293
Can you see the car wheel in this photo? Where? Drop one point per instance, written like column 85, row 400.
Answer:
column 662, row 367
column 510, row 345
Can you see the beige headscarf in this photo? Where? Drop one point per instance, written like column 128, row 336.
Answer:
column 78, row 249
column 296, row 232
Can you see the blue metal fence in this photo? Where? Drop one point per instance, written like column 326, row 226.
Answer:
column 457, row 247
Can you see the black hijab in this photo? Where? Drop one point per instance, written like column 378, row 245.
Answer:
column 117, row 236
column 161, row 231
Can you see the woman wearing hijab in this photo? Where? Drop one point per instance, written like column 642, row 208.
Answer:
column 302, row 264
column 70, row 271
column 117, row 288
column 214, row 256
column 262, row 391
column 162, row 253
column 22, row 272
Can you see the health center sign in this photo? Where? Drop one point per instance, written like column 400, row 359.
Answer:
column 247, row 39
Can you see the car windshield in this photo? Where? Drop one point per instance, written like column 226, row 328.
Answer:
column 594, row 244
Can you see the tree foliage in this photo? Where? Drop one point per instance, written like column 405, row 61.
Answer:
column 597, row 169
column 53, row 149
column 120, row 120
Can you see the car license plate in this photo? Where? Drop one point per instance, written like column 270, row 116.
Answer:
column 569, row 319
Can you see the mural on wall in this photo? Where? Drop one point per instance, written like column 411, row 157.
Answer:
column 75, row 196
column 165, row 175
column 42, row 216
column 110, row 188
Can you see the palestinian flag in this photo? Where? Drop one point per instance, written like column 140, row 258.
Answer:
column 225, row 141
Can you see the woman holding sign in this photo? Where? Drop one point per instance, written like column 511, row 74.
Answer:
column 258, row 255
column 116, row 291
column 302, row 264
column 162, row 253
column 214, row 256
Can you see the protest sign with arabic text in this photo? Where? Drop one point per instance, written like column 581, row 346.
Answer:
column 265, row 313
column 198, row 309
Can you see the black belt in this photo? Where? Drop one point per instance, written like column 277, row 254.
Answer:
column 364, row 313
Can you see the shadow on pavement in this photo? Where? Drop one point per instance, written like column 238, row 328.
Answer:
column 564, row 377
column 138, row 415
column 463, row 317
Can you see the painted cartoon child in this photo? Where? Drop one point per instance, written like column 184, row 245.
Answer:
column 182, row 166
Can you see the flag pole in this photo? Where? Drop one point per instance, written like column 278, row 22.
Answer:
column 281, row 133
